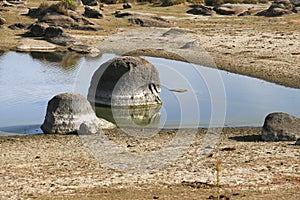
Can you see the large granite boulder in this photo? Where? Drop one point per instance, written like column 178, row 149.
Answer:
column 281, row 127
column 67, row 111
column 125, row 81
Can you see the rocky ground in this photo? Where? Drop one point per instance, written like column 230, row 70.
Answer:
column 64, row 165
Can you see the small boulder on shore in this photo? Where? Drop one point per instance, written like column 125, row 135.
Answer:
column 2, row 21
column 91, row 12
column 281, row 127
column 67, row 111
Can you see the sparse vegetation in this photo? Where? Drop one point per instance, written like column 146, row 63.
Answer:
column 171, row 2
column 218, row 170
column 61, row 7
column 69, row 4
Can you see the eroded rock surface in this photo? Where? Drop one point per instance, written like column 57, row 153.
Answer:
column 125, row 81
column 281, row 127
column 67, row 111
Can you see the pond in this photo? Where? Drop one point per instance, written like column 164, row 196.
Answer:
column 193, row 96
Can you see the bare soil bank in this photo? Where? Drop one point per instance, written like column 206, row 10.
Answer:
column 48, row 166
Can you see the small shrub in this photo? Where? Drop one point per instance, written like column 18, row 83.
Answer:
column 62, row 7
column 69, row 4
column 213, row 2
column 250, row 1
column 44, row 6
column 59, row 8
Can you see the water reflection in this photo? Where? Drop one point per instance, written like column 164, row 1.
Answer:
column 134, row 117
column 27, row 84
column 66, row 60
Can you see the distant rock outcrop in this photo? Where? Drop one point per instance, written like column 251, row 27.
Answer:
column 58, row 20
column 150, row 21
column 201, row 10
column 125, row 81
column 231, row 9
column 66, row 112
column 279, row 8
column 91, row 12
column 281, row 127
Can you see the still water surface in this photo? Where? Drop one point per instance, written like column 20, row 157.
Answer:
column 193, row 96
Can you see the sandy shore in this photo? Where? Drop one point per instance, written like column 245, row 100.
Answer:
column 64, row 165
